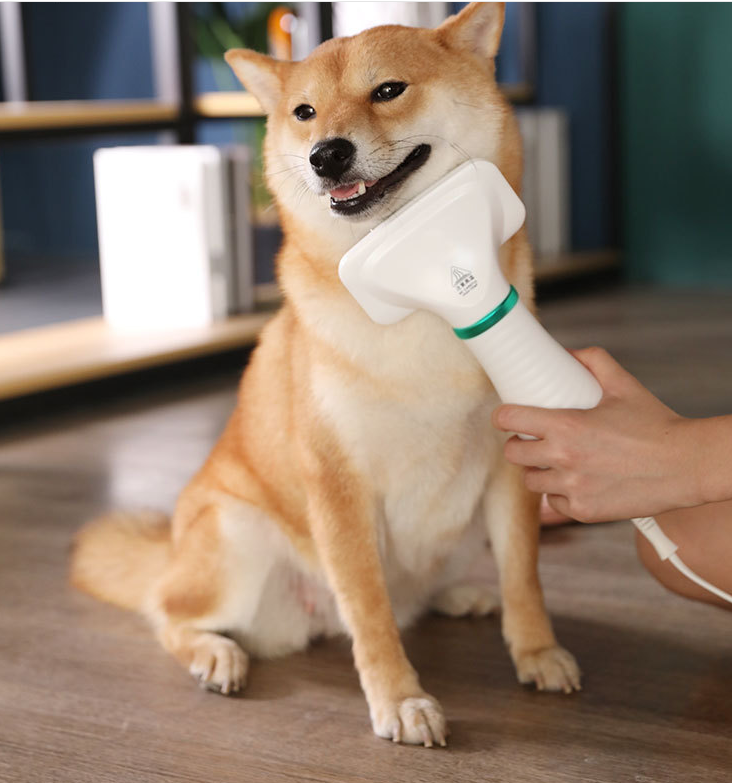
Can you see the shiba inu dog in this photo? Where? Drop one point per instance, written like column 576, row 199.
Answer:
column 359, row 473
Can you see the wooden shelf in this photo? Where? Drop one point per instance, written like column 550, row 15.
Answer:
column 231, row 105
column 51, row 357
column 550, row 268
column 49, row 115
column 518, row 93
column 227, row 104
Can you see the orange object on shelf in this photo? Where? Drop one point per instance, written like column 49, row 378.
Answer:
column 280, row 24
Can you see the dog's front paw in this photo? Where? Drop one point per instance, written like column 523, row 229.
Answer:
column 219, row 664
column 418, row 720
column 550, row 669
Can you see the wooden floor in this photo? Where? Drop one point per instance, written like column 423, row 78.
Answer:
column 87, row 695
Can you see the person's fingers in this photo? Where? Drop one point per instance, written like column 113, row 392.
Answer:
column 530, row 453
column 550, row 516
column 560, row 504
column 523, row 419
column 543, row 480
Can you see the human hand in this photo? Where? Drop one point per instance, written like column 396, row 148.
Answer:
column 630, row 456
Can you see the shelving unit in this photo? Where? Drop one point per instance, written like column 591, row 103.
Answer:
column 87, row 116
column 83, row 116
column 227, row 105
column 50, row 357
column 239, row 104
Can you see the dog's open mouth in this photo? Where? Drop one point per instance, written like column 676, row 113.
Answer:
column 358, row 196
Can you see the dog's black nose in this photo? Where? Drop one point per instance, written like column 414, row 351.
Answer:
column 332, row 157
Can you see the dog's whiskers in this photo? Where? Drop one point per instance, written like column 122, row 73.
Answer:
column 297, row 167
column 301, row 191
column 463, row 153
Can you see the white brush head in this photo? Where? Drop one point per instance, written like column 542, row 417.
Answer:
column 440, row 251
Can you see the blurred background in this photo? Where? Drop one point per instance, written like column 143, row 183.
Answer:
column 626, row 112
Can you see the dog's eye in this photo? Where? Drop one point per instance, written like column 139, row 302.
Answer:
column 304, row 112
column 388, row 91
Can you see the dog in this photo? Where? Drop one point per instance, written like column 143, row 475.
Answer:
column 359, row 473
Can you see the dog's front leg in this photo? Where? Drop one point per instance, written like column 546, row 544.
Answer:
column 343, row 526
column 513, row 524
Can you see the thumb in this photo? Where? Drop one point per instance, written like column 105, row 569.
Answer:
column 611, row 375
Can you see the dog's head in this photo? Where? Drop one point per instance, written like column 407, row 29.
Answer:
column 366, row 123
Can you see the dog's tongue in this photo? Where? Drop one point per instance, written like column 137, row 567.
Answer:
column 345, row 192
column 350, row 190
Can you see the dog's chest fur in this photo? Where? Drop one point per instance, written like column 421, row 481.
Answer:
column 416, row 425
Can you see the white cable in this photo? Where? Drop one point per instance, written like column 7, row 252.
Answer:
column 666, row 550
column 686, row 571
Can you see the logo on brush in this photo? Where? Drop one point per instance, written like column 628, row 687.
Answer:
column 463, row 280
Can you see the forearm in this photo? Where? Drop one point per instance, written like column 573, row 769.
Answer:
column 711, row 441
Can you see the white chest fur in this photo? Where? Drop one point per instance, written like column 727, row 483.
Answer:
column 417, row 427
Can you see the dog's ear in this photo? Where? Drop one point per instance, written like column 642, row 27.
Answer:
column 477, row 28
column 261, row 75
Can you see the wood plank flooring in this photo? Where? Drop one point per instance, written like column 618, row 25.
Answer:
column 88, row 696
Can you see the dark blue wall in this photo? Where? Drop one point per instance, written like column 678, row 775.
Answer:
column 88, row 50
column 574, row 62
column 76, row 51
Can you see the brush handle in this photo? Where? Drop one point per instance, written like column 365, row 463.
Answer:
column 528, row 366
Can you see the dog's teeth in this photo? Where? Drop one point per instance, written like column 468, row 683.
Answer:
column 361, row 188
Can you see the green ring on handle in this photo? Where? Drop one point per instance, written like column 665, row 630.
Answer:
column 491, row 319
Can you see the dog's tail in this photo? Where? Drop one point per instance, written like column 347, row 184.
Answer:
column 117, row 557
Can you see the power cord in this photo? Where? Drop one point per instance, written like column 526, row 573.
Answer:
column 666, row 550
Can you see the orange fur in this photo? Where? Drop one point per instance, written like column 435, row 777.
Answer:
column 117, row 557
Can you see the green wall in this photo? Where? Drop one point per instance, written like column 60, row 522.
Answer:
column 676, row 138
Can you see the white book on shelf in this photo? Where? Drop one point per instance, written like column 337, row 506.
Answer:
column 351, row 18
column 168, row 251
column 546, row 183
column 553, row 234
column 528, row 126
